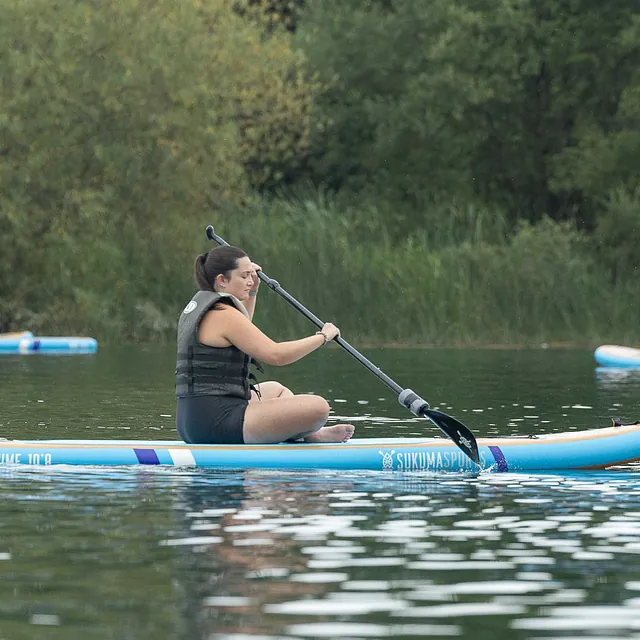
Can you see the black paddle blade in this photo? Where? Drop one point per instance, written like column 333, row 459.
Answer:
column 454, row 429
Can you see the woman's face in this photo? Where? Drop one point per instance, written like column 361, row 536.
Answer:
column 240, row 281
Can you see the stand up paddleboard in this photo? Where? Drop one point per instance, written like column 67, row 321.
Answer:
column 575, row 450
column 609, row 355
column 32, row 344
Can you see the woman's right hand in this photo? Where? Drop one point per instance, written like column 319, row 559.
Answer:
column 330, row 331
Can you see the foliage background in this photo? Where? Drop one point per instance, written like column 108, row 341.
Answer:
column 444, row 172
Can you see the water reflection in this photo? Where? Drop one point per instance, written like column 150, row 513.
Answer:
column 136, row 553
column 255, row 530
column 78, row 551
column 613, row 376
column 315, row 555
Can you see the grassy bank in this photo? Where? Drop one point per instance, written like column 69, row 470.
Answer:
column 470, row 282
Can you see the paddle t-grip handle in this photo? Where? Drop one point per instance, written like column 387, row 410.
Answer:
column 412, row 401
column 211, row 234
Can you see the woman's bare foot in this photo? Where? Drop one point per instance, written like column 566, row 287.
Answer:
column 334, row 433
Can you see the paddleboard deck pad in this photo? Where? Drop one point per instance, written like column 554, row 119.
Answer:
column 573, row 450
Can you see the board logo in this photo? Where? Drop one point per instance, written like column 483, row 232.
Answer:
column 423, row 459
column 387, row 459
column 190, row 307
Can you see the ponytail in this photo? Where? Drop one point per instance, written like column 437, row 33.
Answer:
column 221, row 260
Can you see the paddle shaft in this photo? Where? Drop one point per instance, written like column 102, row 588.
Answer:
column 452, row 428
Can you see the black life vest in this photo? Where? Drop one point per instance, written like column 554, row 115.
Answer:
column 203, row 370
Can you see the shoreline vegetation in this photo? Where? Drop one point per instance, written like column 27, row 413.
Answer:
column 418, row 174
column 532, row 346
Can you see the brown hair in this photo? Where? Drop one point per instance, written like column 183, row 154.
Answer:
column 209, row 265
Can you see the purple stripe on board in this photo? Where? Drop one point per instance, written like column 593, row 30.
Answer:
column 35, row 345
column 147, row 456
column 499, row 458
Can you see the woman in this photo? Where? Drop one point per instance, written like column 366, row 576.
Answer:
column 216, row 341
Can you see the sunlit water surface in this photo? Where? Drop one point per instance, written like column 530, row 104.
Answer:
column 161, row 553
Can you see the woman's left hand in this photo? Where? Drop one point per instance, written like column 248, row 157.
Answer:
column 256, row 279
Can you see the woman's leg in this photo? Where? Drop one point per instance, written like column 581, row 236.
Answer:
column 269, row 390
column 291, row 418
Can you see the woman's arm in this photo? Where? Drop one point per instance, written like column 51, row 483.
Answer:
column 228, row 325
column 250, row 303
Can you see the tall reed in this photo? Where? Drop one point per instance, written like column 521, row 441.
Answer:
column 467, row 280
column 471, row 282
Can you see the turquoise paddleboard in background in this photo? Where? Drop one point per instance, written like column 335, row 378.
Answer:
column 28, row 343
column 609, row 355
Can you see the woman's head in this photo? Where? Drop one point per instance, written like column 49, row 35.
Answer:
column 226, row 270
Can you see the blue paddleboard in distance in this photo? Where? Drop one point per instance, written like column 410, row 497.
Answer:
column 34, row 344
column 610, row 355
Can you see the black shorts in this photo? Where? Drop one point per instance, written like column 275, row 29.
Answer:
column 211, row 419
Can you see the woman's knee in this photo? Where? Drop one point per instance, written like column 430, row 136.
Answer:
column 318, row 408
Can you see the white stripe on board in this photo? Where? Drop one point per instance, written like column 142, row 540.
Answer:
column 182, row 457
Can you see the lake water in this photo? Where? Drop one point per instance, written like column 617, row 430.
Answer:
column 166, row 553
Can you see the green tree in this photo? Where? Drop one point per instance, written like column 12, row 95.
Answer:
column 120, row 123
column 606, row 156
column 470, row 99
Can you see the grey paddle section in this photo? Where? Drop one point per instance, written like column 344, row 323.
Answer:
column 452, row 428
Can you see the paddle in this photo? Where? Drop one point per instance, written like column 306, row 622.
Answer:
column 452, row 428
